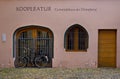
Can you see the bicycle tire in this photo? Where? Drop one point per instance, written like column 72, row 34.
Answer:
column 41, row 61
column 20, row 62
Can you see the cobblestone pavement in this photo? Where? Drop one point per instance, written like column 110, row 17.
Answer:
column 59, row 73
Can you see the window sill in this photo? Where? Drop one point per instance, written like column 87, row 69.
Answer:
column 76, row 50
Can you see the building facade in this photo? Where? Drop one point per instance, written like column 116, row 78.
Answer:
column 71, row 33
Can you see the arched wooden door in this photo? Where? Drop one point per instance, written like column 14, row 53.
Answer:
column 35, row 41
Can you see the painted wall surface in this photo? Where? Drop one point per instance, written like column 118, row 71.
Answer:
column 61, row 14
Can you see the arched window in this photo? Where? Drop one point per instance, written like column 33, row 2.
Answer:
column 76, row 38
column 33, row 41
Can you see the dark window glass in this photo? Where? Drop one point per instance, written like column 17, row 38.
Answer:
column 76, row 38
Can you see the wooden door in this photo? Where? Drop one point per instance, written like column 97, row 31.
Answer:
column 107, row 48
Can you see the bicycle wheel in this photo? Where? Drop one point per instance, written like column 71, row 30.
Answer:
column 20, row 62
column 41, row 61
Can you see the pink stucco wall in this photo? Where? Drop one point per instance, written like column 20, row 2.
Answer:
column 105, row 14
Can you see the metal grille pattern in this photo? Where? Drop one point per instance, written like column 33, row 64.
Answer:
column 82, row 41
column 34, row 47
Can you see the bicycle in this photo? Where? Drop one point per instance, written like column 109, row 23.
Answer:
column 39, row 61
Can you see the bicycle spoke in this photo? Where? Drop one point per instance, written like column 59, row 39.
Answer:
column 20, row 62
column 41, row 61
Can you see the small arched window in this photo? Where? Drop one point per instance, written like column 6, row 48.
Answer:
column 76, row 38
